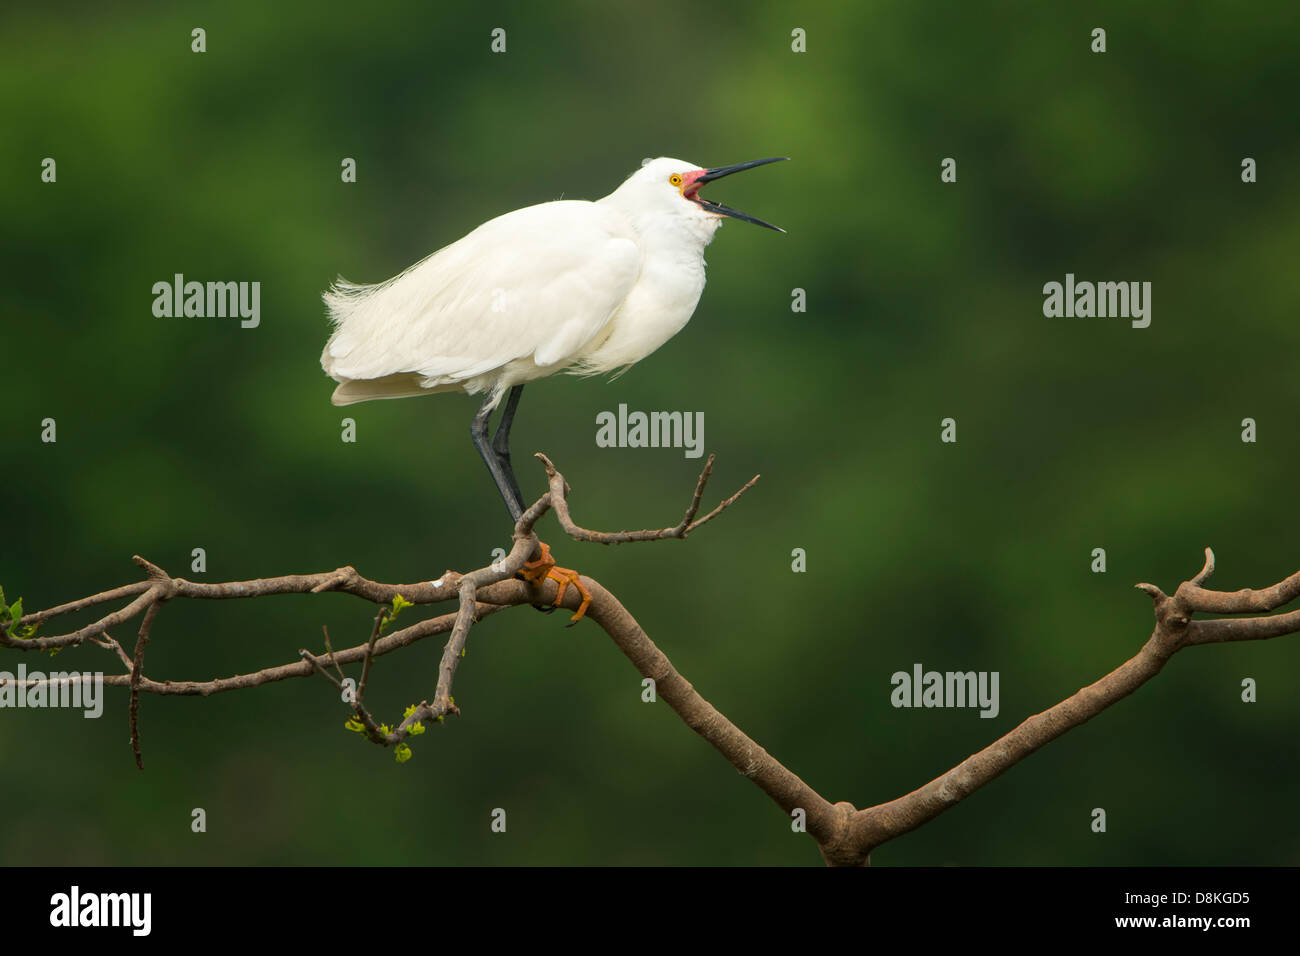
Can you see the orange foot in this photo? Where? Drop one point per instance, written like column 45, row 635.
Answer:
column 539, row 569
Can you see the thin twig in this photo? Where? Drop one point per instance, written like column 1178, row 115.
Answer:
column 559, row 500
column 137, row 672
column 338, row 670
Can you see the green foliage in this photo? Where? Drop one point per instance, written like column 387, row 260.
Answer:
column 416, row 728
column 390, row 613
column 11, row 614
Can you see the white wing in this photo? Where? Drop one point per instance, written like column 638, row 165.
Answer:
column 536, row 283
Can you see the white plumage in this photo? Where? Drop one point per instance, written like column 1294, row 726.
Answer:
column 574, row 286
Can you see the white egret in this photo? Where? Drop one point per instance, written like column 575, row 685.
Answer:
column 566, row 286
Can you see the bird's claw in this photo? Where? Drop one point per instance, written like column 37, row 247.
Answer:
column 543, row 567
column 537, row 570
column 565, row 577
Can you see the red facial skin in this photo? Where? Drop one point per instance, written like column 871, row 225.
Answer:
column 688, row 190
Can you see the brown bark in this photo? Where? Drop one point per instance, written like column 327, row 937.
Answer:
column 844, row 834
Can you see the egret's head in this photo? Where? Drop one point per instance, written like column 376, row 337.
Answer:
column 672, row 187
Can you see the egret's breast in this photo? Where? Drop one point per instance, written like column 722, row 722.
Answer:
column 660, row 304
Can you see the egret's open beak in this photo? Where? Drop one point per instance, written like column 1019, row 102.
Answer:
column 718, row 172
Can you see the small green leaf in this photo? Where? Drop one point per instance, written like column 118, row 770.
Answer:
column 409, row 711
column 402, row 752
column 416, row 729
column 16, row 612
column 390, row 613
column 355, row 725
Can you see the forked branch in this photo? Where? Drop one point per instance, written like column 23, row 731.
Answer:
column 845, row 835
column 559, row 500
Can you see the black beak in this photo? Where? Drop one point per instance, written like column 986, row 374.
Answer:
column 717, row 173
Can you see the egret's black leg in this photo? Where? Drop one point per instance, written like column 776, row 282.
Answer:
column 501, row 441
column 499, row 465
column 496, row 454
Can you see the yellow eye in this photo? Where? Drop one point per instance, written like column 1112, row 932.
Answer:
column 675, row 179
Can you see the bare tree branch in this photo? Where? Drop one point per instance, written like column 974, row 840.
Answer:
column 560, row 489
column 141, row 642
column 1174, row 630
column 844, row 834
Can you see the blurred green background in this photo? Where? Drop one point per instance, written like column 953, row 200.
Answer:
column 924, row 301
